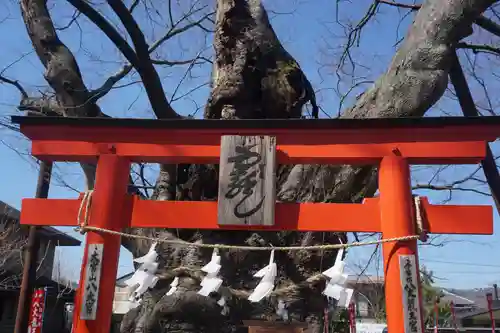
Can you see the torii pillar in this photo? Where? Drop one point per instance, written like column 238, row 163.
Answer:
column 391, row 144
column 397, row 220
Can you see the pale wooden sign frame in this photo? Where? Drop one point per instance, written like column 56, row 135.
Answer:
column 411, row 294
column 90, row 288
column 247, row 180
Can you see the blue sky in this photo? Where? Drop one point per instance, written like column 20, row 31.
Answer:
column 312, row 36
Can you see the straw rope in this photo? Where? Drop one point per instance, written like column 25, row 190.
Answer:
column 290, row 291
column 83, row 227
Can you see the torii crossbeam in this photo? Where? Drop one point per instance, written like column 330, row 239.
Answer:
column 391, row 144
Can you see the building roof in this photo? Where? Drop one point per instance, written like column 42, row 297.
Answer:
column 477, row 295
column 483, row 314
column 58, row 237
column 120, row 282
column 449, row 296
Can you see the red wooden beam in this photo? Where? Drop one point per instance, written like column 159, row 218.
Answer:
column 440, row 219
column 415, row 152
column 364, row 217
column 308, row 136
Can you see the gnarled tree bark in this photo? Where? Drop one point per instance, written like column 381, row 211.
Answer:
column 254, row 77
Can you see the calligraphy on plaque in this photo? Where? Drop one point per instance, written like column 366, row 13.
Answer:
column 90, row 287
column 410, row 290
column 247, row 177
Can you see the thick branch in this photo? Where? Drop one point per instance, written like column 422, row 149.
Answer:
column 110, row 82
column 469, row 110
column 173, row 31
column 481, row 20
column 15, row 84
column 137, row 59
column 108, row 30
column 488, row 25
column 41, row 106
column 418, row 74
column 145, row 68
column 62, row 72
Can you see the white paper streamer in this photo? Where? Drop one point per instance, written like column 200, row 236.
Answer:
column 335, row 286
column 211, row 282
column 144, row 277
column 223, row 304
column 173, row 286
column 266, row 285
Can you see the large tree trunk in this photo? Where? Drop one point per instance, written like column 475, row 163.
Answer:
column 254, row 77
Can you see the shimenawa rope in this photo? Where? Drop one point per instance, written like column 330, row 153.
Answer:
column 83, row 227
column 290, row 291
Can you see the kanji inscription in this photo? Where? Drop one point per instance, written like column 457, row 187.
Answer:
column 411, row 301
column 90, row 286
column 247, row 180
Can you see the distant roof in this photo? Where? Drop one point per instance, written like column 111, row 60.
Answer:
column 477, row 295
column 59, row 237
column 457, row 299
column 9, row 211
column 120, row 281
column 481, row 313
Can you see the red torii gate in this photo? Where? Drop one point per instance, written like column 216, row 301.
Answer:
column 392, row 144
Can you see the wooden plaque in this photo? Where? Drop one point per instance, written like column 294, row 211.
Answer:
column 410, row 291
column 90, row 287
column 247, row 180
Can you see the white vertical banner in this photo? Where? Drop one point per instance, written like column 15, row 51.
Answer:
column 90, row 286
column 410, row 291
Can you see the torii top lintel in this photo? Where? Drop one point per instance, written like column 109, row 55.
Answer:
column 428, row 140
column 350, row 141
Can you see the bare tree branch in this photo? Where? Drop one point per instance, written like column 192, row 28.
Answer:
column 488, row 25
column 110, row 82
column 180, row 62
column 479, row 48
column 139, row 59
column 16, row 84
column 469, row 110
column 74, row 17
column 96, row 18
column 400, row 5
column 172, row 32
column 134, row 5
column 448, row 188
column 482, row 21
column 146, row 70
